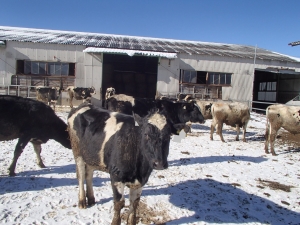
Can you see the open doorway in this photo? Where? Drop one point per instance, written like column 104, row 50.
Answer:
column 130, row 75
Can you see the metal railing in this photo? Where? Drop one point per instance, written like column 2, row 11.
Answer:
column 18, row 90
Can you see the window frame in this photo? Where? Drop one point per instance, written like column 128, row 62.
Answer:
column 211, row 78
column 43, row 68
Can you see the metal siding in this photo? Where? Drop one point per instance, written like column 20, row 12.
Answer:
column 168, row 76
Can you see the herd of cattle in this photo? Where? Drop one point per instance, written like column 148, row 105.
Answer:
column 128, row 137
column 50, row 95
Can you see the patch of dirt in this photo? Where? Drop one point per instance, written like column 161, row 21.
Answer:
column 187, row 153
column 275, row 185
column 195, row 134
column 146, row 215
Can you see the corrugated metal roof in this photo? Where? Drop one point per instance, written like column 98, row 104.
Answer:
column 132, row 52
column 138, row 43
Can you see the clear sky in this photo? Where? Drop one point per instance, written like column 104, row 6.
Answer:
column 268, row 24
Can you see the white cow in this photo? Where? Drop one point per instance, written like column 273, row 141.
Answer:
column 287, row 117
column 234, row 114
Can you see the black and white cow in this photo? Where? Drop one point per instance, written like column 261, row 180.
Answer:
column 177, row 112
column 48, row 95
column 112, row 142
column 30, row 120
column 80, row 93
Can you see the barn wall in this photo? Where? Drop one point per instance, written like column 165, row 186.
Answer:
column 88, row 66
column 241, row 68
column 168, row 76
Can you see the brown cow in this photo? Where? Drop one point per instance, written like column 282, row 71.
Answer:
column 287, row 117
column 234, row 114
column 205, row 107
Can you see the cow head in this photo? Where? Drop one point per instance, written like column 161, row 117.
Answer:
column 109, row 92
column 191, row 111
column 155, row 131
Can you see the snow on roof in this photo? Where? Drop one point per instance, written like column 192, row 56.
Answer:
column 131, row 52
column 138, row 44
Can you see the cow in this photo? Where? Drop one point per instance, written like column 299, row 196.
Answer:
column 80, row 93
column 178, row 112
column 279, row 115
column 234, row 114
column 205, row 107
column 109, row 92
column 114, row 143
column 32, row 121
column 48, row 95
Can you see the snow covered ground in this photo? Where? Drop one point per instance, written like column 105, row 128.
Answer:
column 207, row 182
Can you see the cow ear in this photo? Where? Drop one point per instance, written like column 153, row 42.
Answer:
column 137, row 119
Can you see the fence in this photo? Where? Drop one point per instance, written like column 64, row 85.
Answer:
column 18, row 90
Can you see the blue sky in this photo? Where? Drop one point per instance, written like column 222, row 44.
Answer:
column 269, row 24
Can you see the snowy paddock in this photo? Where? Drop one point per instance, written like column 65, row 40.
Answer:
column 207, row 182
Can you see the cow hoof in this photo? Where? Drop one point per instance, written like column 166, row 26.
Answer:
column 274, row 154
column 41, row 165
column 82, row 205
column 91, row 202
column 12, row 174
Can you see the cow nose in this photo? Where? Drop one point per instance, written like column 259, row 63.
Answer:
column 158, row 165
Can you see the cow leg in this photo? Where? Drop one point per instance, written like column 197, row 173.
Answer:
column 212, row 130
column 273, row 134
column 71, row 102
column 244, row 133
column 80, row 169
column 267, row 137
column 237, row 127
column 119, row 202
column 38, row 149
column 134, row 197
column 219, row 131
column 18, row 151
column 89, row 185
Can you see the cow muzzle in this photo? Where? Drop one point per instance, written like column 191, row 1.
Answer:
column 160, row 165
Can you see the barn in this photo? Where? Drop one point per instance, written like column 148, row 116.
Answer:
column 143, row 66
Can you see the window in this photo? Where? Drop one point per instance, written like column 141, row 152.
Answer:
column 58, row 68
column 189, row 76
column 219, row 78
column 267, row 91
column 45, row 68
column 204, row 77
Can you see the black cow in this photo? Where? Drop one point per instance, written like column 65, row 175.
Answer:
column 112, row 142
column 30, row 120
column 80, row 93
column 48, row 95
column 178, row 112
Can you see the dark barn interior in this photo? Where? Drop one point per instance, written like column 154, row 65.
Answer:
column 130, row 75
column 274, row 86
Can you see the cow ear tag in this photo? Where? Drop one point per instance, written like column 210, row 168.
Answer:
column 179, row 137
